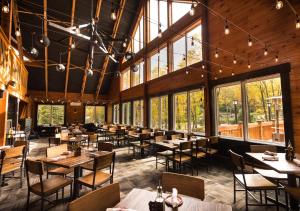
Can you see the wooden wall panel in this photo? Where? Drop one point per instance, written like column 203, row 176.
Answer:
column 74, row 114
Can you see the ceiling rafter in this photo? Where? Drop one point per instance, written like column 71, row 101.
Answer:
column 69, row 49
column 46, row 48
column 16, row 27
column 97, row 14
column 106, row 59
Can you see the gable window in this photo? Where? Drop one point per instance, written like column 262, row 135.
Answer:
column 138, row 37
column 126, row 79
column 94, row 114
column 126, row 113
column 50, row 114
column 138, row 76
column 179, row 9
column 116, row 112
column 159, row 64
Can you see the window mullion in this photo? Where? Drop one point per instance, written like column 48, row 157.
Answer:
column 244, row 111
column 188, row 111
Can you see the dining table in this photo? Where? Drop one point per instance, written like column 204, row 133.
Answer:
column 138, row 199
column 281, row 165
column 72, row 161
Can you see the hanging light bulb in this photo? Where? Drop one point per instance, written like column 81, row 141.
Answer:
column 187, row 72
column 226, row 28
column 203, row 66
column 279, row 4
column 297, row 22
column 276, row 58
column 266, row 51
column 250, row 42
column 192, row 41
column 234, row 60
column 113, row 14
column 232, row 73
column 216, row 78
column 125, row 43
column 216, row 53
column 5, row 8
column 249, row 65
column 113, row 55
column 192, row 10
column 34, row 51
column 73, row 45
column 159, row 31
column 202, row 75
column 77, row 30
column 220, row 70
column 18, row 32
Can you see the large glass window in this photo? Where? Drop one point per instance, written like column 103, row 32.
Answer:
column 138, row 38
column 94, row 114
column 126, row 112
column 187, row 50
column 159, row 64
column 116, row 113
column 189, row 111
column 265, row 110
column 138, row 108
column 255, row 115
column 159, row 112
column 158, row 17
column 126, row 79
column 50, row 114
column 179, row 9
column 229, row 111
column 138, row 76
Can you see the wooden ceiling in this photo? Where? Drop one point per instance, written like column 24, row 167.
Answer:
column 43, row 76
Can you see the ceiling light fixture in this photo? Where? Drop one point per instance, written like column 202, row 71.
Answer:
column 73, row 45
column 192, row 10
column 203, row 66
column 33, row 51
column 5, row 8
column 297, row 22
column 234, row 60
column 279, row 4
column 266, row 50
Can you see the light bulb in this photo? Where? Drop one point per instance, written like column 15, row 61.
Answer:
column 77, row 30
column 113, row 55
column 18, row 32
column 250, row 42
column 216, row 78
column 73, row 45
column 276, row 59
column 33, row 51
column 216, row 54
column 192, row 10
column 202, row 76
column 203, row 66
column 90, row 72
column 249, row 65
column 298, row 23
column 232, row 73
column 279, row 4
column 113, row 15
column 234, row 60
column 192, row 41
column 226, row 30
column 5, row 9
column 159, row 33
column 125, row 43
column 186, row 72
column 266, row 51
column 220, row 70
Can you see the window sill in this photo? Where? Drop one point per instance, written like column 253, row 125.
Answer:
column 253, row 141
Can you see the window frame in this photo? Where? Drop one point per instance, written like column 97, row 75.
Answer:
column 117, row 117
column 51, row 111
column 153, row 53
column 129, row 114
column 142, row 112
column 159, row 111
column 94, row 108
column 245, row 109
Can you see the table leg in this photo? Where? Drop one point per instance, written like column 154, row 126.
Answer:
column 174, row 164
column 76, row 185
column 292, row 183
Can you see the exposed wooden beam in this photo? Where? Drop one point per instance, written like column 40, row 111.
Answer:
column 69, row 49
column 46, row 48
column 97, row 14
column 106, row 59
column 17, row 27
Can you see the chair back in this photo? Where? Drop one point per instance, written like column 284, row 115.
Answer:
column 93, row 137
column 145, row 136
column 104, row 161
column 36, row 168
column 146, row 131
column 176, row 136
column 186, row 145
column 99, row 199
column 160, row 138
column 105, row 146
column 186, row 185
column 56, row 150
column 20, row 143
column 201, row 143
column 2, row 156
column 112, row 129
column 159, row 133
column 263, row 148
column 105, row 127
column 131, row 132
column 15, row 152
column 121, row 132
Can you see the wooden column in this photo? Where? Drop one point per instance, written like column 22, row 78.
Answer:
column 3, row 117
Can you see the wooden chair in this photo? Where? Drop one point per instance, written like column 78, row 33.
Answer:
column 120, row 136
column 53, row 140
column 11, row 160
column 44, row 188
column 55, row 152
column 98, row 177
column 212, row 145
column 186, row 185
column 250, row 182
column 99, row 200
column 159, row 153
column 142, row 144
column 200, row 152
column 183, row 157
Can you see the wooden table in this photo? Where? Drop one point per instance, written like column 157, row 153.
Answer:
column 138, row 199
column 74, row 162
column 281, row 166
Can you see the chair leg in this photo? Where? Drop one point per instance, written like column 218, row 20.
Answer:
column 246, row 196
column 71, row 192
column 42, row 203
column 63, row 193
column 28, row 198
column 266, row 201
column 260, row 196
column 276, row 197
column 234, row 192
column 21, row 173
column 156, row 161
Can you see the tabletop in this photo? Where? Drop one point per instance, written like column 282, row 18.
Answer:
column 138, row 199
column 281, row 165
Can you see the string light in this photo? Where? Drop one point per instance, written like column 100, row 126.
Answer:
column 216, row 78
column 249, row 65
column 203, row 66
column 18, row 32
column 202, row 75
column 113, row 14
column 216, row 53
column 226, row 28
column 220, row 70
column 232, row 73
column 192, row 10
column 279, row 4
column 73, row 45
column 186, row 72
column 276, row 58
column 125, row 43
column 234, row 60
column 5, row 8
column 192, row 42
column 266, row 51
column 159, row 31
column 297, row 22
column 250, row 42
column 77, row 30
